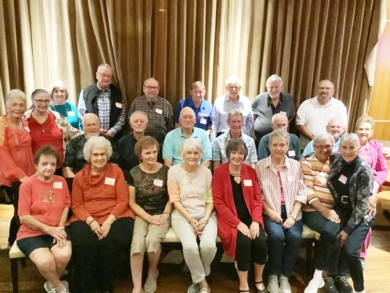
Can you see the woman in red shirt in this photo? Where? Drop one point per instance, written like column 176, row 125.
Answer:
column 43, row 210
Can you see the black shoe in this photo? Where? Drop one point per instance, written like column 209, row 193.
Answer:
column 329, row 286
column 343, row 285
column 386, row 213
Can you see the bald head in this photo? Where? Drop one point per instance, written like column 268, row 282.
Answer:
column 91, row 125
column 279, row 121
column 335, row 127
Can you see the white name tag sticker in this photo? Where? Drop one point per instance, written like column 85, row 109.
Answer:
column 291, row 153
column 27, row 129
column 158, row 182
column 247, row 182
column 203, row 121
column 109, row 181
column 283, row 112
column 119, row 105
column 158, row 111
column 290, row 178
column 343, row 179
column 70, row 113
column 57, row 185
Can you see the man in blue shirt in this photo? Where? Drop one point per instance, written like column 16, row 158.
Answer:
column 202, row 108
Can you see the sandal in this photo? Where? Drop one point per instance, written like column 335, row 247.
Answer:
column 244, row 291
column 260, row 290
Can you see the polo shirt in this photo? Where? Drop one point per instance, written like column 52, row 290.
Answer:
column 294, row 151
column 202, row 113
column 221, row 142
column 174, row 140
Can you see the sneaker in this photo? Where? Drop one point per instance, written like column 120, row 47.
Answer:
column 49, row 287
column 314, row 285
column 193, row 288
column 273, row 284
column 330, row 287
column 151, row 283
column 284, row 284
column 343, row 285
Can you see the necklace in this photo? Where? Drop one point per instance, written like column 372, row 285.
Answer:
column 190, row 176
column 236, row 176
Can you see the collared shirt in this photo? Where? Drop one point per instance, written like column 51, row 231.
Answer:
column 316, row 117
column 292, row 184
column 174, row 140
column 294, row 150
column 263, row 109
column 309, row 149
column 203, row 113
column 221, row 142
column 222, row 107
column 160, row 116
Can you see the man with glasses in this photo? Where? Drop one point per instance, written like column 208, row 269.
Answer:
column 105, row 100
column 224, row 104
column 158, row 110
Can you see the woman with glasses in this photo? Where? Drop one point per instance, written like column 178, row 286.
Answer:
column 47, row 127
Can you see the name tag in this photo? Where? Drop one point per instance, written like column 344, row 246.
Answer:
column 158, row 111
column 291, row 153
column 119, row 105
column 290, row 178
column 57, row 185
column 283, row 112
column 158, row 182
column 247, row 182
column 70, row 113
column 343, row 179
column 27, row 129
column 109, row 181
column 203, row 121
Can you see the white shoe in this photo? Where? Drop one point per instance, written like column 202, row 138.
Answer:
column 284, row 284
column 273, row 284
column 314, row 285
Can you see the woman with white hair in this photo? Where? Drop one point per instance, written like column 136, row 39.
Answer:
column 189, row 188
column 102, row 222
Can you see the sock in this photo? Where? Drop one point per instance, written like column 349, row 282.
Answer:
column 317, row 275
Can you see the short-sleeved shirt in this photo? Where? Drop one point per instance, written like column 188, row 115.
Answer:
column 45, row 201
column 263, row 108
column 151, row 191
column 294, row 150
column 203, row 113
column 221, row 142
column 174, row 140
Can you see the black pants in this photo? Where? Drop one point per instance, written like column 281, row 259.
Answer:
column 247, row 249
column 95, row 260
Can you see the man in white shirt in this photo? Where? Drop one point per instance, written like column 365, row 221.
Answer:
column 314, row 114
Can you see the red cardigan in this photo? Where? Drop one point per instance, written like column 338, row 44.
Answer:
column 226, row 209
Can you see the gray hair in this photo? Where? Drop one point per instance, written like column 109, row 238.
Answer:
column 235, row 112
column 15, row 94
column 190, row 144
column 272, row 78
column 279, row 115
column 96, row 142
column 350, row 137
column 279, row 133
column 232, row 80
column 322, row 137
column 138, row 112
column 105, row 65
column 187, row 109
column 58, row 84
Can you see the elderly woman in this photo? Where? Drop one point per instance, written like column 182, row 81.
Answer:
column 371, row 152
column 350, row 182
column 149, row 201
column 238, row 204
column 48, row 127
column 59, row 96
column 43, row 210
column 102, row 223
column 15, row 151
column 281, row 184
column 189, row 188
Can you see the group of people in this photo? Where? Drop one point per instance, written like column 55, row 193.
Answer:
column 126, row 191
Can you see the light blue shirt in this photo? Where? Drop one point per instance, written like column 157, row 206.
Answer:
column 309, row 149
column 174, row 139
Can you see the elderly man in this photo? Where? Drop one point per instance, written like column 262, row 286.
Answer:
column 314, row 113
column 158, row 110
column 336, row 128
column 234, row 121
column 105, row 100
column 202, row 108
column 74, row 157
column 176, row 137
column 267, row 104
column 224, row 104
column 280, row 121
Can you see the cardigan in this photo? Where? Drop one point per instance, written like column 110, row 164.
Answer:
column 379, row 163
column 226, row 211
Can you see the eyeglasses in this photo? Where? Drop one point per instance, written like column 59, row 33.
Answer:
column 104, row 75
column 47, row 102
column 151, row 87
column 322, row 147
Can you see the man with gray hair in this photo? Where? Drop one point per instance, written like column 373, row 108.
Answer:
column 267, row 104
column 234, row 120
column 280, row 121
column 224, row 104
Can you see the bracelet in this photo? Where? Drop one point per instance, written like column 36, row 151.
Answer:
column 294, row 217
column 90, row 222
column 109, row 222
